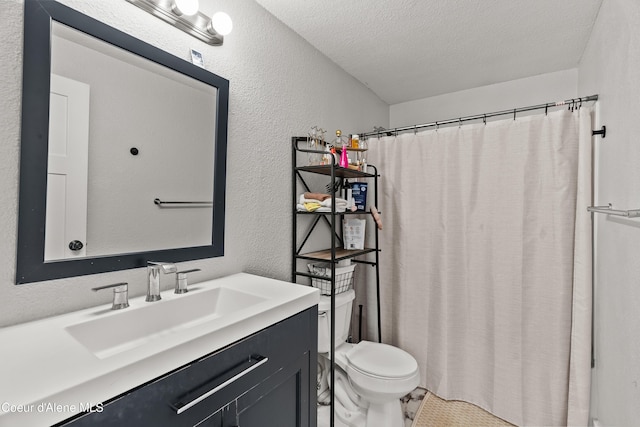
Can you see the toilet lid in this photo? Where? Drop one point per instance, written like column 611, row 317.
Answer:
column 381, row 360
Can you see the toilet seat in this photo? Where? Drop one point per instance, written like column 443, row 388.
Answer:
column 381, row 372
column 381, row 361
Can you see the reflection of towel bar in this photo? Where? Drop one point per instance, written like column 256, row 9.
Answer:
column 162, row 203
column 609, row 211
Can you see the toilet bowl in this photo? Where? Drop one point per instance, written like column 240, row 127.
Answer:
column 370, row 378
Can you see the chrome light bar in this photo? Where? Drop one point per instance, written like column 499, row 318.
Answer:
column 198, row 25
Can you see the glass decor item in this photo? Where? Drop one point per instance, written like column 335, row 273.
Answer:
column 311, row 145
column 315, row 141
column 363, row 146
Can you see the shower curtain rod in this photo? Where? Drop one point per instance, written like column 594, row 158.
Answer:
column 572, row 103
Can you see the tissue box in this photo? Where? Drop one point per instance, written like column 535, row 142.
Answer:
column 359, row 194
column 353, row 233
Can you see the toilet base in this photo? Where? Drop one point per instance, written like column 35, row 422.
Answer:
column 324, row 418
column 351, row 410
column 376, row 417
column 385, row 415
column 349, row 418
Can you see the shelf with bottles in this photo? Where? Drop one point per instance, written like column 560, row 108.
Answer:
column 323, row 153
column 339, row 172
column 353, row 149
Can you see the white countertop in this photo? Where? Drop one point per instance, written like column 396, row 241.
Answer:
column 47, row 376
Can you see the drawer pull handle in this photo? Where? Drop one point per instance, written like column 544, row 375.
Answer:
column 254, row 362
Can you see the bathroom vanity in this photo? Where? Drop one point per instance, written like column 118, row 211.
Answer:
column 270, row 369
column 225, row 354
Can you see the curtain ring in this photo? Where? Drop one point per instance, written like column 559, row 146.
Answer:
column 484, row 119
column 546, row 109
column 514, row 114
column 437, row 126
column 415, row 129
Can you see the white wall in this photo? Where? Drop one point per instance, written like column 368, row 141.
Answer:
column 611, row 67
column 485, row 99
column 280, row 86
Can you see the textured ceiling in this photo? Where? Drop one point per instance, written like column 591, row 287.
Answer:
column 411, row 49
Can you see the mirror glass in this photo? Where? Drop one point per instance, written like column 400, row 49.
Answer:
column 123, row 151
column 106, row 103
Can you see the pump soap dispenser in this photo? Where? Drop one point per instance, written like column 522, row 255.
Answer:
column 341, row 141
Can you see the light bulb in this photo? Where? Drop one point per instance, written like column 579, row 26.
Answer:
column 221, row 23
column 185, row 7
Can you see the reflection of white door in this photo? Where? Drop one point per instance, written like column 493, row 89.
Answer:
column 66, row 217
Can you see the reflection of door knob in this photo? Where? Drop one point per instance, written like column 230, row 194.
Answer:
column 75, row 245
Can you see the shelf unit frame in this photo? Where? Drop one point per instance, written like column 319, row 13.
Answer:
column 335, row 253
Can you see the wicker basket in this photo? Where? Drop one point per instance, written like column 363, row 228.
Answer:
column 344, row 278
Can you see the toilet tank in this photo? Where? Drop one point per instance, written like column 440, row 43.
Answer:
column 344, row 302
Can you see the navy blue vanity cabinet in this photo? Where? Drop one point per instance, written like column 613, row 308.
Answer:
column 265, row 380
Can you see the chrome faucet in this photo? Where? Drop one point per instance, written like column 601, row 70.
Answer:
column 120, row 294
column 181, row 280
column 153, row 272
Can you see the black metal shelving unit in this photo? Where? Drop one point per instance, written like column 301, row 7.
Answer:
column 334, row 253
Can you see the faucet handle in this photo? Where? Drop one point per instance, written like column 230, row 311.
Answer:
column 181, row 281
column 120, row 294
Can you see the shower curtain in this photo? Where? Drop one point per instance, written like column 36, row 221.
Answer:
column 486, row 262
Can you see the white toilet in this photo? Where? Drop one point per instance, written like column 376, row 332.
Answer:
column 370, row 378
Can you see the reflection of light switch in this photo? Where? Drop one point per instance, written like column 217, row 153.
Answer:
column 196, row 58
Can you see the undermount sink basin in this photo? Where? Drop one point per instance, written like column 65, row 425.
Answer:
column 128, row 328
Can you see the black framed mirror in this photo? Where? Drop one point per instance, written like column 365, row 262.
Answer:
column 154, row 129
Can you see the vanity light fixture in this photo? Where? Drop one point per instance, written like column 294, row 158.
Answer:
column 184, row 14
column 185, row 7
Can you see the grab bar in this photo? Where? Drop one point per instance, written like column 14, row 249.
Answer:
column 162, row 203
column 633, row 213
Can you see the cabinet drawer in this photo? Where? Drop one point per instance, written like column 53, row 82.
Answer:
column 195, row 392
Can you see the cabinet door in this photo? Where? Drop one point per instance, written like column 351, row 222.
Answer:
column 214, row 420
column 204, row 390
column 282, row 400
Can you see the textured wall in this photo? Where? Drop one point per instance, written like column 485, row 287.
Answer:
column 280, row 86
column 610, row 67
column 485, row 99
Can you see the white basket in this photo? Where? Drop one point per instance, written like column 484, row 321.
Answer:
column 344, row 278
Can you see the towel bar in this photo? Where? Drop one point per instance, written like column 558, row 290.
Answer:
column 162, row 203
column 634, row 213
